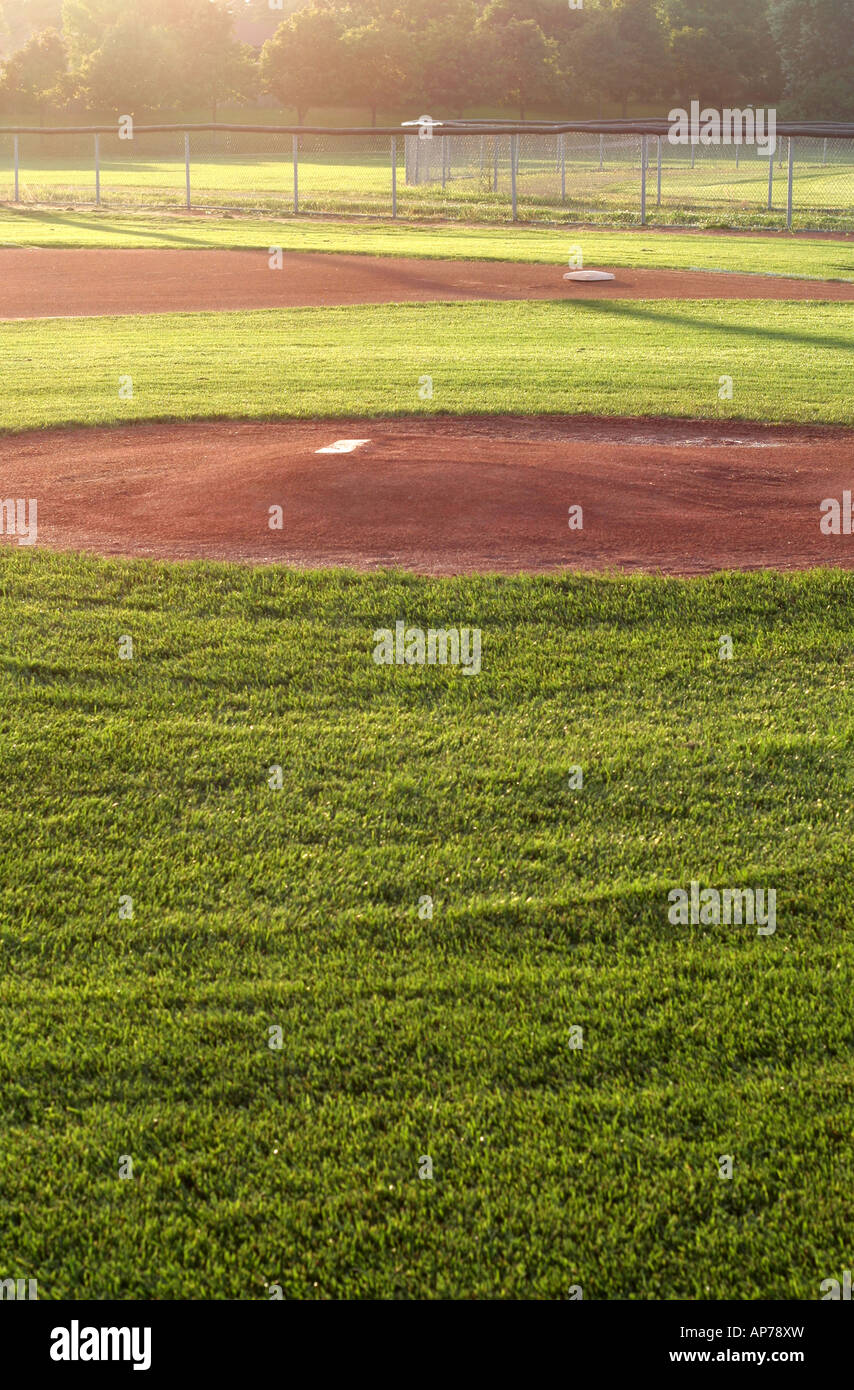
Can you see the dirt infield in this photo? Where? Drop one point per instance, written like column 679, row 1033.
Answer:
column 434, row 495
column 442, row 496
column 59, row 283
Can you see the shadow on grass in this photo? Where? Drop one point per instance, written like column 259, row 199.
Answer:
column 623, row 309
column 78, row 223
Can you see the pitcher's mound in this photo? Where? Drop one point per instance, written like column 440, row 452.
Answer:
column 442, row 495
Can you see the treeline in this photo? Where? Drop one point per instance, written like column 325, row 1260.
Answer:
column 150, row 58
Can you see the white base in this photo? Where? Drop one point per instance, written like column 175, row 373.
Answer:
column 343, row 446
column 589, row 275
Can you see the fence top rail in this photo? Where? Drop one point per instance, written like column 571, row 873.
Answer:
column 841, row 130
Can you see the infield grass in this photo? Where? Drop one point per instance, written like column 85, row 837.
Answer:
column 780, row 255
column 605, row 358
column 405, row 1037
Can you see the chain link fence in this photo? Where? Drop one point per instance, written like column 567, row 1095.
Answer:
column 626, row 176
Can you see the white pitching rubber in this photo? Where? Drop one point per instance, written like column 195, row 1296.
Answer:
column 589, row 275
column 343, row 446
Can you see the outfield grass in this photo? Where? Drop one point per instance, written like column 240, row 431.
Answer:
column 819, row 259
column 606, row 357
column 403, row 1037
column 357, row 178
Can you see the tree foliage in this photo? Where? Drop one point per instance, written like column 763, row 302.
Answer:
column 302, row 64
column 442, row 56
column 37, row 75
column 815, row 40
column 376, row 60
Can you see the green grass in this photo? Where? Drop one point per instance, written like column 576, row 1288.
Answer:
column 606, row 357
column 406, row 1037
column 769, row 255
column 356, row 177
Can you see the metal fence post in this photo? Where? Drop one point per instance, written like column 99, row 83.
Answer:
column 17, row 169
column 295, row 148
column 187, row 163
column 659, row 171
column 97, row 171
column 693, row 152
column 601, row 153
column 495, row 163
column 513, row 147
column 771, row 183
column 791, row 183
column 824, row 152
column 562, row 139
column 394, row 176
column 643, row 179
column 444, row 159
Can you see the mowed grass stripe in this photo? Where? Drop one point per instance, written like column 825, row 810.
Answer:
column 780, row 255
column 607, row 358
column 402, row 1036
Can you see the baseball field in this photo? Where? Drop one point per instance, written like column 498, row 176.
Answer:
column 354, row 977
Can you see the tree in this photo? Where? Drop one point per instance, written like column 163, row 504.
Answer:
column 376, row 64
column 301, row 63
column 522, row 63
column 723, row 48
column 451, row 69
column 642, row 40
column 37, row 75
column 162, row 55
column 553, row 17
column 85, row 24
column 214, row 67
column 621, row 53
column 594, row 59
column 21, row 20
column 133, row 70
column 816, row 45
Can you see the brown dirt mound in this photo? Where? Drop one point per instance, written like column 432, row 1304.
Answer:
column 442, row 495
column 37, row 283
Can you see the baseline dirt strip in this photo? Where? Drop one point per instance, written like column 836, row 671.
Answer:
column 49, row 283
